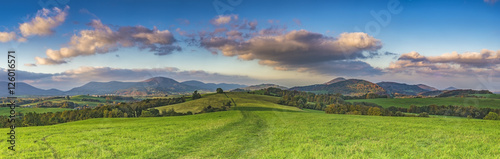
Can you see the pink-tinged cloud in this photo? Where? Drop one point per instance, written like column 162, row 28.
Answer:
column 298, row 49
column 103, row 40
column 224, row 19
column 485, row 62
column 44, row 22
column 7, row 36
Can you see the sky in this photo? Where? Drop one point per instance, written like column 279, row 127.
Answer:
column 66, row 43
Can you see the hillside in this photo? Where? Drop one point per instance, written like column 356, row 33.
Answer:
column 152, row 86
column 462, row 92
column 339, row 79
column 26, row 89
column 401, row 88
column 212, row 86
column 261, row 86
column 352, row 87
column 258, row 128
column 426, row 87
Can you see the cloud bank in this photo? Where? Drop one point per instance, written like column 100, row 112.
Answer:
column 485, row 62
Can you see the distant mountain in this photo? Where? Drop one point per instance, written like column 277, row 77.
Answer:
column 213, row 86
column 26, row 89
column 100, row 88
column 346, row 87
column 426, row 87
column 262, row 86
column 401, row 88
column 462, row 92
column 152, row 86
column 431, row 93
column 451, row 88
column 340, row 79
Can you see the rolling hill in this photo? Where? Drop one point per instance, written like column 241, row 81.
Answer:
column 351, row 87
column 259, row 128
column 401, row 88
column 426, row 87
column 261, row 86
column 152, row 86
column 26, row 89
column 212, row 86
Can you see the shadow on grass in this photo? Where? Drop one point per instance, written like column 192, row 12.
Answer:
column 263, row 109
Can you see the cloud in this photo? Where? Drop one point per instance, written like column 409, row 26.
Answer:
column 485, row 58
column 25, row 75
column 103, row 40
column 7, row 36
column 30, row 64
column 491, row 1
column 485, row 62
column 44, row 22
column 224, row 19
column 294, row 50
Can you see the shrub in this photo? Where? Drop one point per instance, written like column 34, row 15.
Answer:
column 491, row 116
column 423, row 114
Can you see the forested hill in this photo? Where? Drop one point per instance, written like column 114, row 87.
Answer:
column 351, row 87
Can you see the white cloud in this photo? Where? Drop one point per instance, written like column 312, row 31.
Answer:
column 103, row 40
column 486, row 62
column 7, row 36
column 44, row 22
column 298, row 49
column 224, row 19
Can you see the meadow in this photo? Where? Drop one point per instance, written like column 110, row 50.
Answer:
column 259, row 128
column 458, row 101
column 5, row 111
column 78, row 100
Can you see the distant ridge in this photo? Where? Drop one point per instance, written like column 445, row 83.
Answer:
column 152, row 86
column 260, row 86
column 426, row 87
column 346, row 87
column 401, row 88
column 339, row 79
column 26, row 89
column 451, row 88
column 212, row 86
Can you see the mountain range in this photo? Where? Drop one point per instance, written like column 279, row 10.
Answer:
column 346, row 87
column 165, row 86
column 152, row 86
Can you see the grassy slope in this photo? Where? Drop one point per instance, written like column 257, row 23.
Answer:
column 257, row 128
column 406, row 102
column 78, row 100
column 5, row 111
column 214, row 100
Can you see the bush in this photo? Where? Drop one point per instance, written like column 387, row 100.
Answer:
column 491, row 116
column 219, row 90
column 423, row 114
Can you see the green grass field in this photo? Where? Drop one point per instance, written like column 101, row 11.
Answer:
column 214, row 100
column 258, row 128
column 496, row 96
column 407, row 102
column 78, row 100
column 4, row 111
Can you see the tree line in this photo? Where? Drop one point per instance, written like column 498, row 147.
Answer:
column 336, row 104
column 132, row 109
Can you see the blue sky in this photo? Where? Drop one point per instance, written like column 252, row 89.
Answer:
column 408, row 48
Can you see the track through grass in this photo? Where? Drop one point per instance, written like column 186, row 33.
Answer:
column 258, row 128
